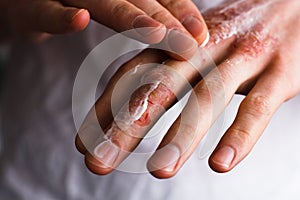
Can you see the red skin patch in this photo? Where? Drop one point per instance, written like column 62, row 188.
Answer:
column 160, row 97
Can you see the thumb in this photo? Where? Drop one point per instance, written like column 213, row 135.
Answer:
column 52, row 17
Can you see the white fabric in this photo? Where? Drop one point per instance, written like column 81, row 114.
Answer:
column 39, row 160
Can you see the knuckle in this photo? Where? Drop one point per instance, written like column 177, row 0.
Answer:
column 185, row 137
column 120, row 8
column 181, row 8
column 254, row 42
column 175, row 4
column 165, row 16
column 240, row 136
column 228, row 72
column 214, row 86
column 258, row 105
column 159, row 14
column 203, row 94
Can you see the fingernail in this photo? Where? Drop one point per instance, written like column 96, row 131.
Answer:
column 181, row 43
column 194, row 25
column 107, row 152
column 70, row 16
column 205, row 42
column 223, row 156
column 146, row 26
column 166, row 158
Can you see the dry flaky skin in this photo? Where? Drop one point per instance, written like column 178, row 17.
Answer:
column 245, row 20
column 153, row 101
column 256, row 46
column 145, row 106
column 148, row 101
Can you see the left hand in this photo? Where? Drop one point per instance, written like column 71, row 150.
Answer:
column 257, row 58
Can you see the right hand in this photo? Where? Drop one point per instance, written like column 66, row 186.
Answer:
column 122, row 15
column 33, row 17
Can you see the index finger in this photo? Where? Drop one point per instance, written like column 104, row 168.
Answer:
column 149, row 101
column 156, row 97
column 150, row 19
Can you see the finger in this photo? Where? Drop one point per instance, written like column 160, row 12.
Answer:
column 180, row 15
column 52, row 17
column 253, row 116
column 131, row 123
column 210, row 98
column 158, row 100
column 86, row 138
column 188, row 14
column 178, row 41
column 121, row 15
column 147, row 103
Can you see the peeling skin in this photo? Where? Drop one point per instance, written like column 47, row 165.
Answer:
column 143, row 112
column 161, row 74
column 146, row 104
column 254, row 42
column 241, row 19
column 139, row 105
column 136, row 69
column 151, row 104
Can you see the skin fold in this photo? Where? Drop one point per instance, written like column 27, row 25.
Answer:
column 257, row 59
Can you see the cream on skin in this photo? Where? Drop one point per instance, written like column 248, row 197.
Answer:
column 145, row 105
column 241, row 19
column 250, row 30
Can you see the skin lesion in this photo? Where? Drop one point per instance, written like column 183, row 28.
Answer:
column 155, row 98
column 234, row 19
column 246, row 22
column 255, row 42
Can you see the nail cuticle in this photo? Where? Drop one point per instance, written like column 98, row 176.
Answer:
column 224, row 157
column 106, row 152
column 205, row 42
column 166, row 159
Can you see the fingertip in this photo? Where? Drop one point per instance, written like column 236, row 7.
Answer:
column 165, row 162
column 54, row 18
column 159, row 173
column 95, row 166
column 78, row 20
column 204, row 42
column 217, row 167
column 79, row 145
column 221, row 160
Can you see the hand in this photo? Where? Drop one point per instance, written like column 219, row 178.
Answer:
column 35, row 18
column 256, row 53
column 160, row 15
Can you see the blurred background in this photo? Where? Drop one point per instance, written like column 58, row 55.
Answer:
column 4, row 51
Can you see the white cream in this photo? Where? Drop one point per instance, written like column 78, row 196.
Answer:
column 236, row 19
